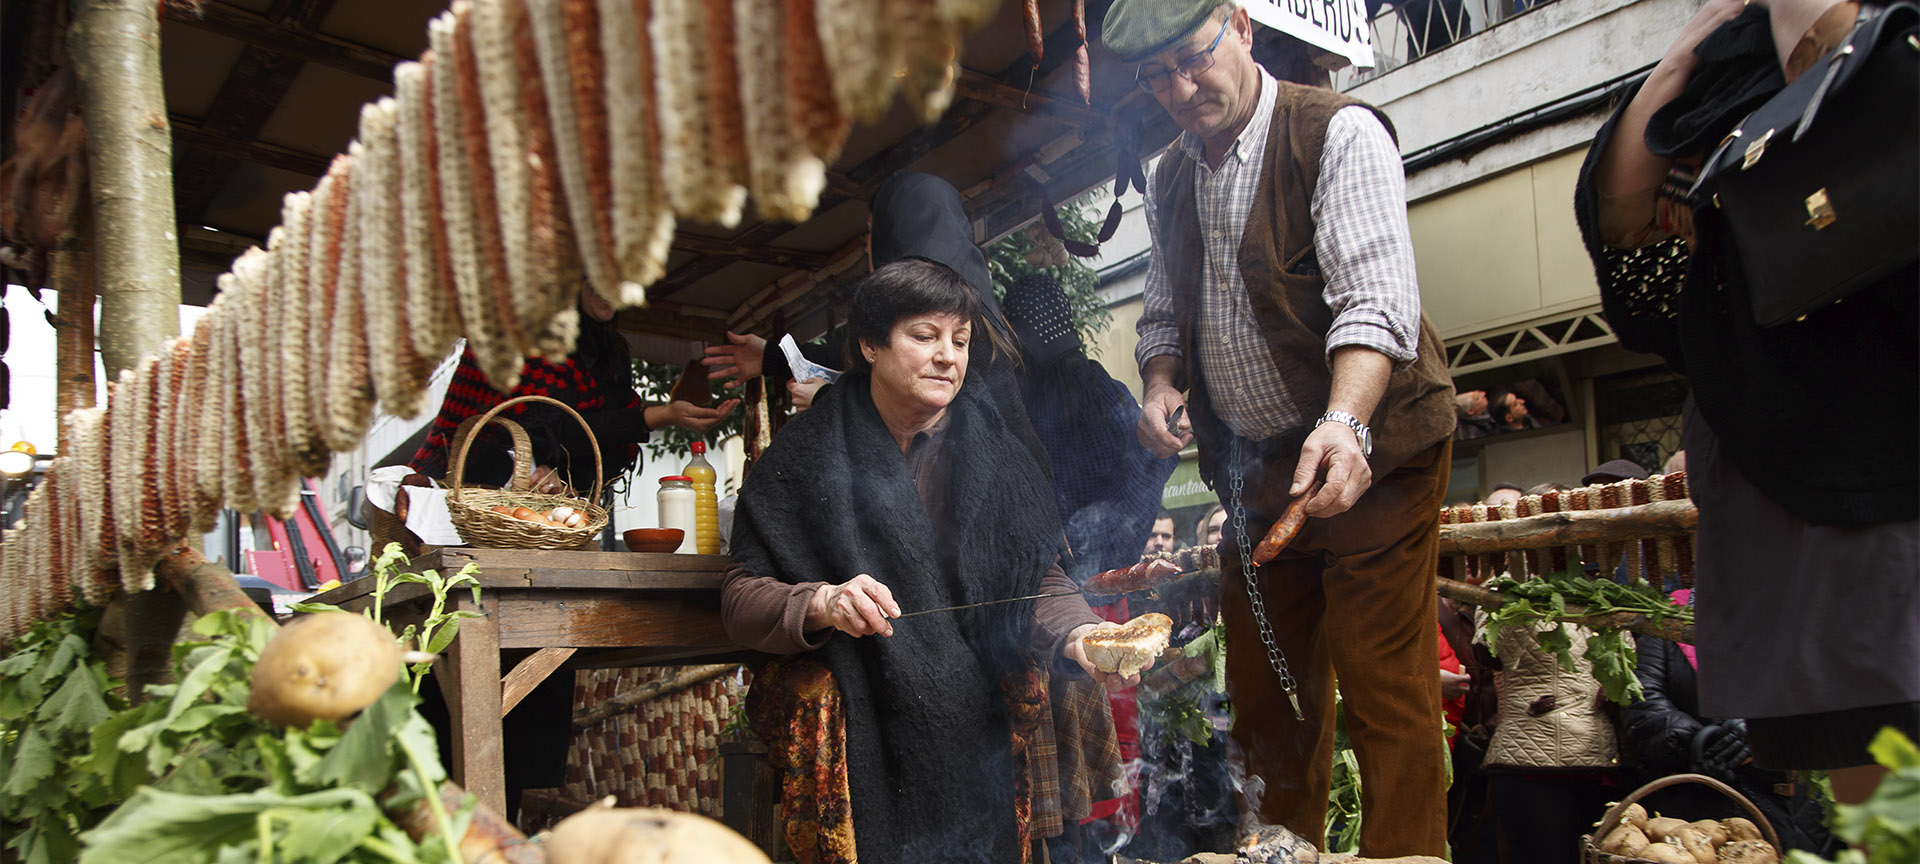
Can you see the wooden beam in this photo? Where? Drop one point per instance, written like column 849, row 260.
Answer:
column 700, row 268
column 651, row 319
column 1571, row 528
column 302, row 44
column 211, row 251
column 758, row 253
column 787, row 290
column 260, row 78
column 982, row 87
column 528, row 673
column 628, row 700
column 188, row 133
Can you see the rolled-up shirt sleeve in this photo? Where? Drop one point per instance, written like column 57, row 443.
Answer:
column 1156, row 328
column 1366, row 250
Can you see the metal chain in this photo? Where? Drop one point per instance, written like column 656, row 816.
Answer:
column 1237, row 484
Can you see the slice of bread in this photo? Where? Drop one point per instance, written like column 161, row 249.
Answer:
column 1129, row 648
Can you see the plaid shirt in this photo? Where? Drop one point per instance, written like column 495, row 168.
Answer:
column 1361, row 238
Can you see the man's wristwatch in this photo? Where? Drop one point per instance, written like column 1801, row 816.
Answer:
column 1360, row 429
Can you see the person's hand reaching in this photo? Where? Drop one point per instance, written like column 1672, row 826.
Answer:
column 736, row 362
column 696, row 419
column 802, row 392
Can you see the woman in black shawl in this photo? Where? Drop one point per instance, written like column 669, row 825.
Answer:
column 903, row 490
column 1794, row 496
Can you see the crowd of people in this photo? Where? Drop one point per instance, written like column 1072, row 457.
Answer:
column 1540, row 751
column 973, row 453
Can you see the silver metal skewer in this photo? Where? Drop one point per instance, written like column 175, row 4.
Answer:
column 988, row 603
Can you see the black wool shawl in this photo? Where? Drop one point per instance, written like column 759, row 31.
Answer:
column 928, row 741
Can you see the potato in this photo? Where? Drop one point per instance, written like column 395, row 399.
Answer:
column 1748, row 852
column 1697, row 844
column 1636, row 816
column 1626, row 840
column 1659, row 828
column 645, row 835
column 1739, row 828
column 324, row 666
column 1666, row 853
column 1714, row 831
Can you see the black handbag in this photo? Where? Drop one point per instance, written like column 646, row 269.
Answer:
column 1818, row 190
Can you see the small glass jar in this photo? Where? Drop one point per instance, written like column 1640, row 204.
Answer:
column 676, row 501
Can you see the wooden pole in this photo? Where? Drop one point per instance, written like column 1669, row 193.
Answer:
column 1571, row 528
column 644, row 693
column 114, row 46
column 115, row 49
column 1670, row 629
column 73, row 278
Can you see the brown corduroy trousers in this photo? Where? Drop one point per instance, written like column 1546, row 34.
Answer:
column 1354, row 597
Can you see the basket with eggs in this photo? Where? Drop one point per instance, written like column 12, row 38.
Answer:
column 516, row 517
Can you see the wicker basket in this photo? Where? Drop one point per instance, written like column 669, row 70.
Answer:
column 1590, row 844
column 471, row 509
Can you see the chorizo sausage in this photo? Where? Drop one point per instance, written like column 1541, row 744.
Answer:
column 1282, row 532
column 1036, row 38
column 1139, row 577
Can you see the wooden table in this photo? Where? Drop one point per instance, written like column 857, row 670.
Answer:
column 546, row 611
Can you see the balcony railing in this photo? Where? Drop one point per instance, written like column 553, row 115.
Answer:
column 1406, row 31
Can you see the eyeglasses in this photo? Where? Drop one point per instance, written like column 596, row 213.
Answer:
column 1190, row 68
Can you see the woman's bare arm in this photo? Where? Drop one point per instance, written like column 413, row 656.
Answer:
column 1628, row 172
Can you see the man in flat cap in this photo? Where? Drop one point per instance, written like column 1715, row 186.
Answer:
column 1281, row 298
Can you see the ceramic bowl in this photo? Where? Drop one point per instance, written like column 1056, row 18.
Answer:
column 654, row 539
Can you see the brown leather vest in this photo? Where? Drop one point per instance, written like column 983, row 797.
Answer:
column 1417, row 410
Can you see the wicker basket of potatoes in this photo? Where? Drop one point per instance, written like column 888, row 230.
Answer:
column 1629, row 835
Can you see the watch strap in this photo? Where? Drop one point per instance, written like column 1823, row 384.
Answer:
column 1360, row 429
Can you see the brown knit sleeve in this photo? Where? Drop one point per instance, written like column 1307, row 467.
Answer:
column 1055, row 617
column 766, row 614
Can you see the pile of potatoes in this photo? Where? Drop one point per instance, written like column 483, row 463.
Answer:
column 1676, row 841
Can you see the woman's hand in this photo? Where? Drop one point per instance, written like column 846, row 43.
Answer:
column 694, row 418
column 545, row 479
column 1077, row 652
column 802, row 392
column 738, row 360
column 857, row 607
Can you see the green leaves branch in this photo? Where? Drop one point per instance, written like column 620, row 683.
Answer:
column 436, row 631
column 1884, row 829
column 1545, row 601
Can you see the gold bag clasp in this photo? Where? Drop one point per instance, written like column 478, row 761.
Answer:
column 1756, row 149
column 1820, row 210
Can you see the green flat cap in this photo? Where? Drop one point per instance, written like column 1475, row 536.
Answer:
column 1138, row 29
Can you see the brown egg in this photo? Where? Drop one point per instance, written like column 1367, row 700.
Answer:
column 525, row 513
column 503, row 509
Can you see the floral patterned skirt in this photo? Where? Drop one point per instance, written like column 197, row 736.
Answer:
column 795, row 708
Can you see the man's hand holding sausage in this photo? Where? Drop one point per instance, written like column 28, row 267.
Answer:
column 1331, row 454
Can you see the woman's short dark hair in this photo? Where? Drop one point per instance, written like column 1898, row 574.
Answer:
column 904, row 289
